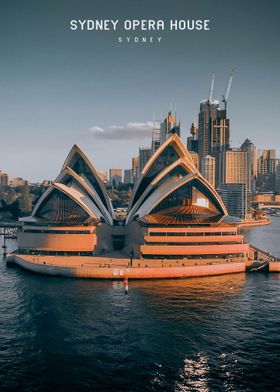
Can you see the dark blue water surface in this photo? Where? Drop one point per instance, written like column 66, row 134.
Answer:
column 200, row 334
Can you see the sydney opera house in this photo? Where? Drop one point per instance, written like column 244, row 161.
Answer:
column 176, row 224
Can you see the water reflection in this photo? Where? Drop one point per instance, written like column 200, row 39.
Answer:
column 200, row 334
column 265, row 237
column 211, row 285
column 194, row 375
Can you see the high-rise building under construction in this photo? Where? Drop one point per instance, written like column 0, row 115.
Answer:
column 213, row 129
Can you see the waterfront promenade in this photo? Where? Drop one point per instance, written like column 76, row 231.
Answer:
column 117, row 268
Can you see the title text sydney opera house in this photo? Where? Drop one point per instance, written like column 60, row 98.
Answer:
column 176, row 224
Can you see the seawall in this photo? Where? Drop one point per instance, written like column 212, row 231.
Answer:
column 254, row 223
column 274, row 266
column 88, row 267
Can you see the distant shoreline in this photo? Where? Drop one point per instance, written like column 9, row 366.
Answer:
column 254, row 223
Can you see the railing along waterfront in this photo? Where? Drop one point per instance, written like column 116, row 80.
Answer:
column 9, row 230
column 134, row 263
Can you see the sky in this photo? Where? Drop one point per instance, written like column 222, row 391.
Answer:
column 60, row 87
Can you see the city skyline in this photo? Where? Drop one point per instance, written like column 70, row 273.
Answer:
column 65, row 86
column 106, row 171
column 129, row 156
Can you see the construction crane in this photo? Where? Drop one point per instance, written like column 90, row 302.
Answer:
column 211, row 88
column 225, row 96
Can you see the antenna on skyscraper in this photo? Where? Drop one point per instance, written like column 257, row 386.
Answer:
column 211, row 88
column 226, row 94
column 170, row 110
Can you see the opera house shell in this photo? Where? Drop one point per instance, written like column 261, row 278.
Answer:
column 176, row 224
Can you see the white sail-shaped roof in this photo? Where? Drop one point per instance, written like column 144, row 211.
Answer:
column 79, row 180
column 63, row 204
column 171, row 150
column 171, row 173
column 72, row 179
column 169, row 183
column 163, row 175
column 79, row 163
column 163, row 191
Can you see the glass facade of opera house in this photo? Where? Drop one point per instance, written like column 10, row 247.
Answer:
column 174, row 214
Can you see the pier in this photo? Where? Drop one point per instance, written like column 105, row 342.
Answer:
column 8, row 231
column 260, row 260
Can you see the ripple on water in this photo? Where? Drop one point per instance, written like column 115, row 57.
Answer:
column 201, row 334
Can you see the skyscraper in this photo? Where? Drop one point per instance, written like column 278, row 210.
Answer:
column 236, row 199
column 195, row 158
column 144, row 155
column 156, row 136
column 192, row 142
column 277, row 177
column 234, row 168
column 220, row 132
column 127, row 178
column 250, row 148
column 267, row 162
column 5, row 180
column 135, row 163
column 266, row 171
column 165, row 127
column 207, row 114
column 208, row 166
column 234, row 181
column 115, row 176
column 213, row 131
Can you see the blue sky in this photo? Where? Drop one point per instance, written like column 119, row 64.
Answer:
column 57, row 87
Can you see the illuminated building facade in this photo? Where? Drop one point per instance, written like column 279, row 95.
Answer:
column 135, row 163
column 234, row 168
column 266, row 178
column 179, row 214
column 176, row 224
column 195, row 159
column 208, row 166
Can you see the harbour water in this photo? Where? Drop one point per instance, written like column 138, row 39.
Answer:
column 201, row 334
